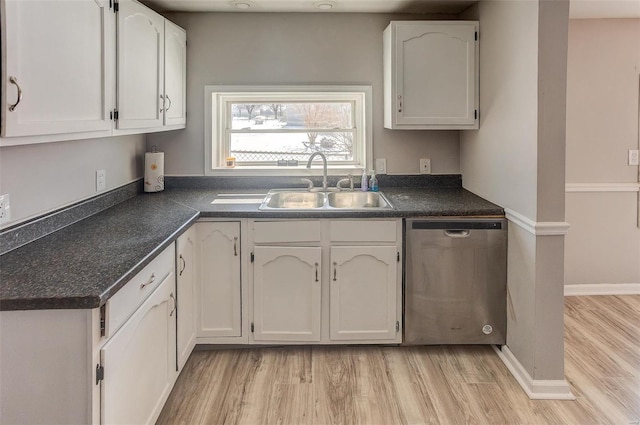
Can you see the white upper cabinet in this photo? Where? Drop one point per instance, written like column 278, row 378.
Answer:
column 57, row 66
column 431, row 76
column 73, row 68
column 140, row 66
column 152, row 69
column 175, row 74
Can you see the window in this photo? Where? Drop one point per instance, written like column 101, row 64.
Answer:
column 275, row 129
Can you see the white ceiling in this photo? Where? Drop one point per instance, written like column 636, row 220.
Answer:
column 362, row 6
column 578, row 8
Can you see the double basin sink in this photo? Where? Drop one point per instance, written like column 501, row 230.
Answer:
column 305, row 200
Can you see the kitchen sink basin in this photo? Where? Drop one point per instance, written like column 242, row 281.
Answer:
column 293, row 200
column 357, row 200
column 287, row 199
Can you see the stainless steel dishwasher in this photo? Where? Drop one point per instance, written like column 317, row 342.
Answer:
column 455, row 281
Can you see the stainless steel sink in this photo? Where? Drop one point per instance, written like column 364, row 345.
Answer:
column 293, row 200
column 358, row 200
column 281, row 199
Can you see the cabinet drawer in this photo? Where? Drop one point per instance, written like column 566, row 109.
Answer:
column 286, row 231
column 364, row 231
column 129, row 297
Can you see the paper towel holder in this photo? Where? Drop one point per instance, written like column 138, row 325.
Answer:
column 154, row 170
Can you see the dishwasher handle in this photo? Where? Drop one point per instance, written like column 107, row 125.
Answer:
column 456, row 224
column 457, row 233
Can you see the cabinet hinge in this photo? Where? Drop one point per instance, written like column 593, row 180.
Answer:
column 476, row 36
column 252, row 258
column 475, row 114
column 398, row 257
column 397, row 326
column 103, row 320
column 252, row 327
column 99, row 373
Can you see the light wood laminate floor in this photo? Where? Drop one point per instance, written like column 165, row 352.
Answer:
column 417, row 385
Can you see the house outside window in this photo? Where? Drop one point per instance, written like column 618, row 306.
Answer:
column 273, row 130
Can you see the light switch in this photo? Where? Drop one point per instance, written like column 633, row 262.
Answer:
column 381, row 165
column 633, row 157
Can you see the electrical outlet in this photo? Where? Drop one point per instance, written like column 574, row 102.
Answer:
column 633, row 157
column 5, row 209
column 425, row 165
column 101, row 180
column 381, row 165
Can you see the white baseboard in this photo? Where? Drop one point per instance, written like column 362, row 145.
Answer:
column 535, row 389
column 538, row 228
column 602, row 289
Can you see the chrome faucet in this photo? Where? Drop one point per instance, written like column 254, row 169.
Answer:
column 324, row 169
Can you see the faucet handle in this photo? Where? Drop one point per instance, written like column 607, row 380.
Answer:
column 309, row 184
column 349, row 180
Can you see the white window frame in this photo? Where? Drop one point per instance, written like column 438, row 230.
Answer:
column 217, row 122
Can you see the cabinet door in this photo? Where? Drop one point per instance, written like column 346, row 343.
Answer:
column 140, row 66
column 436, row 74
column 175, row 74
column 140, row 361
column 59, row 56
column 219, row 303
column 186, row 292
column 286, row 293
column 363, row 288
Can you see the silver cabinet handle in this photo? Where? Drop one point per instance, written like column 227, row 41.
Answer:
column 184, row 264
column 149, row 282
column 316, row 272
column 335, row 271
column 162, row 98
column 13, row 80
column 166, row 96
column 175, row 304
column 235, row 246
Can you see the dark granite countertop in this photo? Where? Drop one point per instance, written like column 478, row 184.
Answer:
column 407, row 202
column 82, row 265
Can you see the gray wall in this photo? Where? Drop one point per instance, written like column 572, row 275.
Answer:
column 499, row 161
column 291, row 48
column 43, row 177
column 516, row 159
column 603, row 245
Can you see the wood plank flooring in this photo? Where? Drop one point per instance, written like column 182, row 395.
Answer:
column 373, row 385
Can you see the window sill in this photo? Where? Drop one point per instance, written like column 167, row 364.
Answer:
column 300, row 170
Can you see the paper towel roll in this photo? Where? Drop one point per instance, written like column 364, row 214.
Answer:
column 153, row 171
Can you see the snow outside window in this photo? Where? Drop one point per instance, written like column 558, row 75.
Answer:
column 273, row 130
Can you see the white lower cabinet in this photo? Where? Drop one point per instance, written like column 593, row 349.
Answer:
column 286, row 293
column 110, row 365
column 186, row 294
column 308, row 281
column 140, row 361
column 326, row 281
column 219, row 303
column 363, row 291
